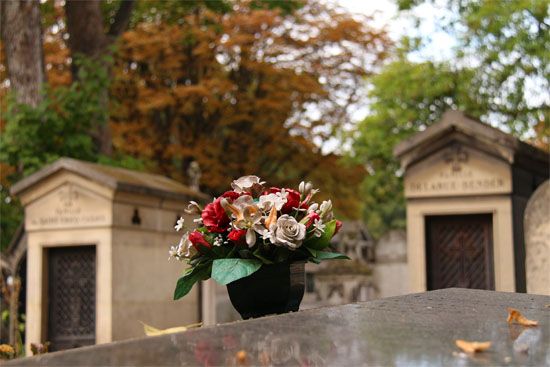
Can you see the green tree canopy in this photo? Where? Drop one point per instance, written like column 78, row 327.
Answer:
column 498, row 73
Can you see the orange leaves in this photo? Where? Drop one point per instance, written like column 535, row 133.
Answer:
column 472, row 347
column 154, row 100
column 246, row 91
column 514, row 316
column 188, row 91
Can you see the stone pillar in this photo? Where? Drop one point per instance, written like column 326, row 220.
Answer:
column 537, row 241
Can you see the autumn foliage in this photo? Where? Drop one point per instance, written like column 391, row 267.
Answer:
column 253, row 89
column 249, row 91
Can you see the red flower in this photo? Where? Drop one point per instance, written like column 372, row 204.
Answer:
column 214, row 216
column 237, row 236
column 197, row 239
column 312, row 217
column 338, row 226
column 292, row 200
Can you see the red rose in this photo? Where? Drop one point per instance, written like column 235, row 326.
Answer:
column 237, row 236
column 312, row 217
column 292, row 200
column 197, row 239
column 232, row 195
column 338, row 226
column 214, row 216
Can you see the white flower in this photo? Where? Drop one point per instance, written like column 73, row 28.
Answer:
column 184, row 249
column 278, row 199
column 287, row 232
column 218, row 241
column 179, row 224
column 246, row 183
column 318, row 228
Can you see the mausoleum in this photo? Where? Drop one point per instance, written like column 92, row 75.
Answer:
column 467, row 185
column 97, row 260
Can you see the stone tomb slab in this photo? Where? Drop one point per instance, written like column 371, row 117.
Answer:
column 416, row 329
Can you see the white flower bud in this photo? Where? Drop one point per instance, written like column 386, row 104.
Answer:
column 301, row 187
column 313, row 207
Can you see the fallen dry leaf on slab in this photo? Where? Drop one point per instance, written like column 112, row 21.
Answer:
column 514, row 316
column 241, row 357
column 152, row 331
column 472, row 347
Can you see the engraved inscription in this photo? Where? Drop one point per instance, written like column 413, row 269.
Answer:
column 70, row 208
column 457, row 171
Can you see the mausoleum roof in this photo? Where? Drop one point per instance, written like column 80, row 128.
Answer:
column 456, row 126
column 119, row 179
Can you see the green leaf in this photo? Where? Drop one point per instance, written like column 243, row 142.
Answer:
column 225, row 271
column 245, row 253
column 260, row 256
column 186, row 282
column 314, row 260
column 281, row 254
column 324, row 255
column 310, row 250
column 319, row 243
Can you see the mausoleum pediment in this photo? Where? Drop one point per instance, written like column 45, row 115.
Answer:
column 69, row 205
column 456, row 127
column 458, row 170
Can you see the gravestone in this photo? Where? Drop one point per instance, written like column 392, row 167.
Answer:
column 337, row 282
column 390, row 269
column 537, row 241
column 412, row 330
column 97, row 253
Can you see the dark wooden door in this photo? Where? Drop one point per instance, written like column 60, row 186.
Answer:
column 71, row 291
column 460, row 251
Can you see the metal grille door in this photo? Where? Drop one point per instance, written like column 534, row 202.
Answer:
column 71, row 291
column 460, row 251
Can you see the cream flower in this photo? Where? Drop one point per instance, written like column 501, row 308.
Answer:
column 287, row 232
column 278, row 199
column 246, row 184
column 193, row 208
column 247, row 216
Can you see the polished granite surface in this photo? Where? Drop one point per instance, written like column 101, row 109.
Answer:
column 412, row 330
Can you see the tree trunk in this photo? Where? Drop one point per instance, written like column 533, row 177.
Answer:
column 22, row 39
column 87, row 37
column 86, row 30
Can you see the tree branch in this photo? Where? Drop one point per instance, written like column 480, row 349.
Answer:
column 122, row 18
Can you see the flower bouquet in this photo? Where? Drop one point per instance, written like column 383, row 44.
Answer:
column 253, row 230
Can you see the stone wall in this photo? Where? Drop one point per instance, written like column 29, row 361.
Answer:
column 390, row 273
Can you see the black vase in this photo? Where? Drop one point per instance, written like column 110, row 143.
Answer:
column 273, row 289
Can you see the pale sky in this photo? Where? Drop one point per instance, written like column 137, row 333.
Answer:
column 439, row 43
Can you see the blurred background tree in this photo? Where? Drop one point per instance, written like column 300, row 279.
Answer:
column 240, row 87
column 498, row 72
column 253, row 90
column 257, row 86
